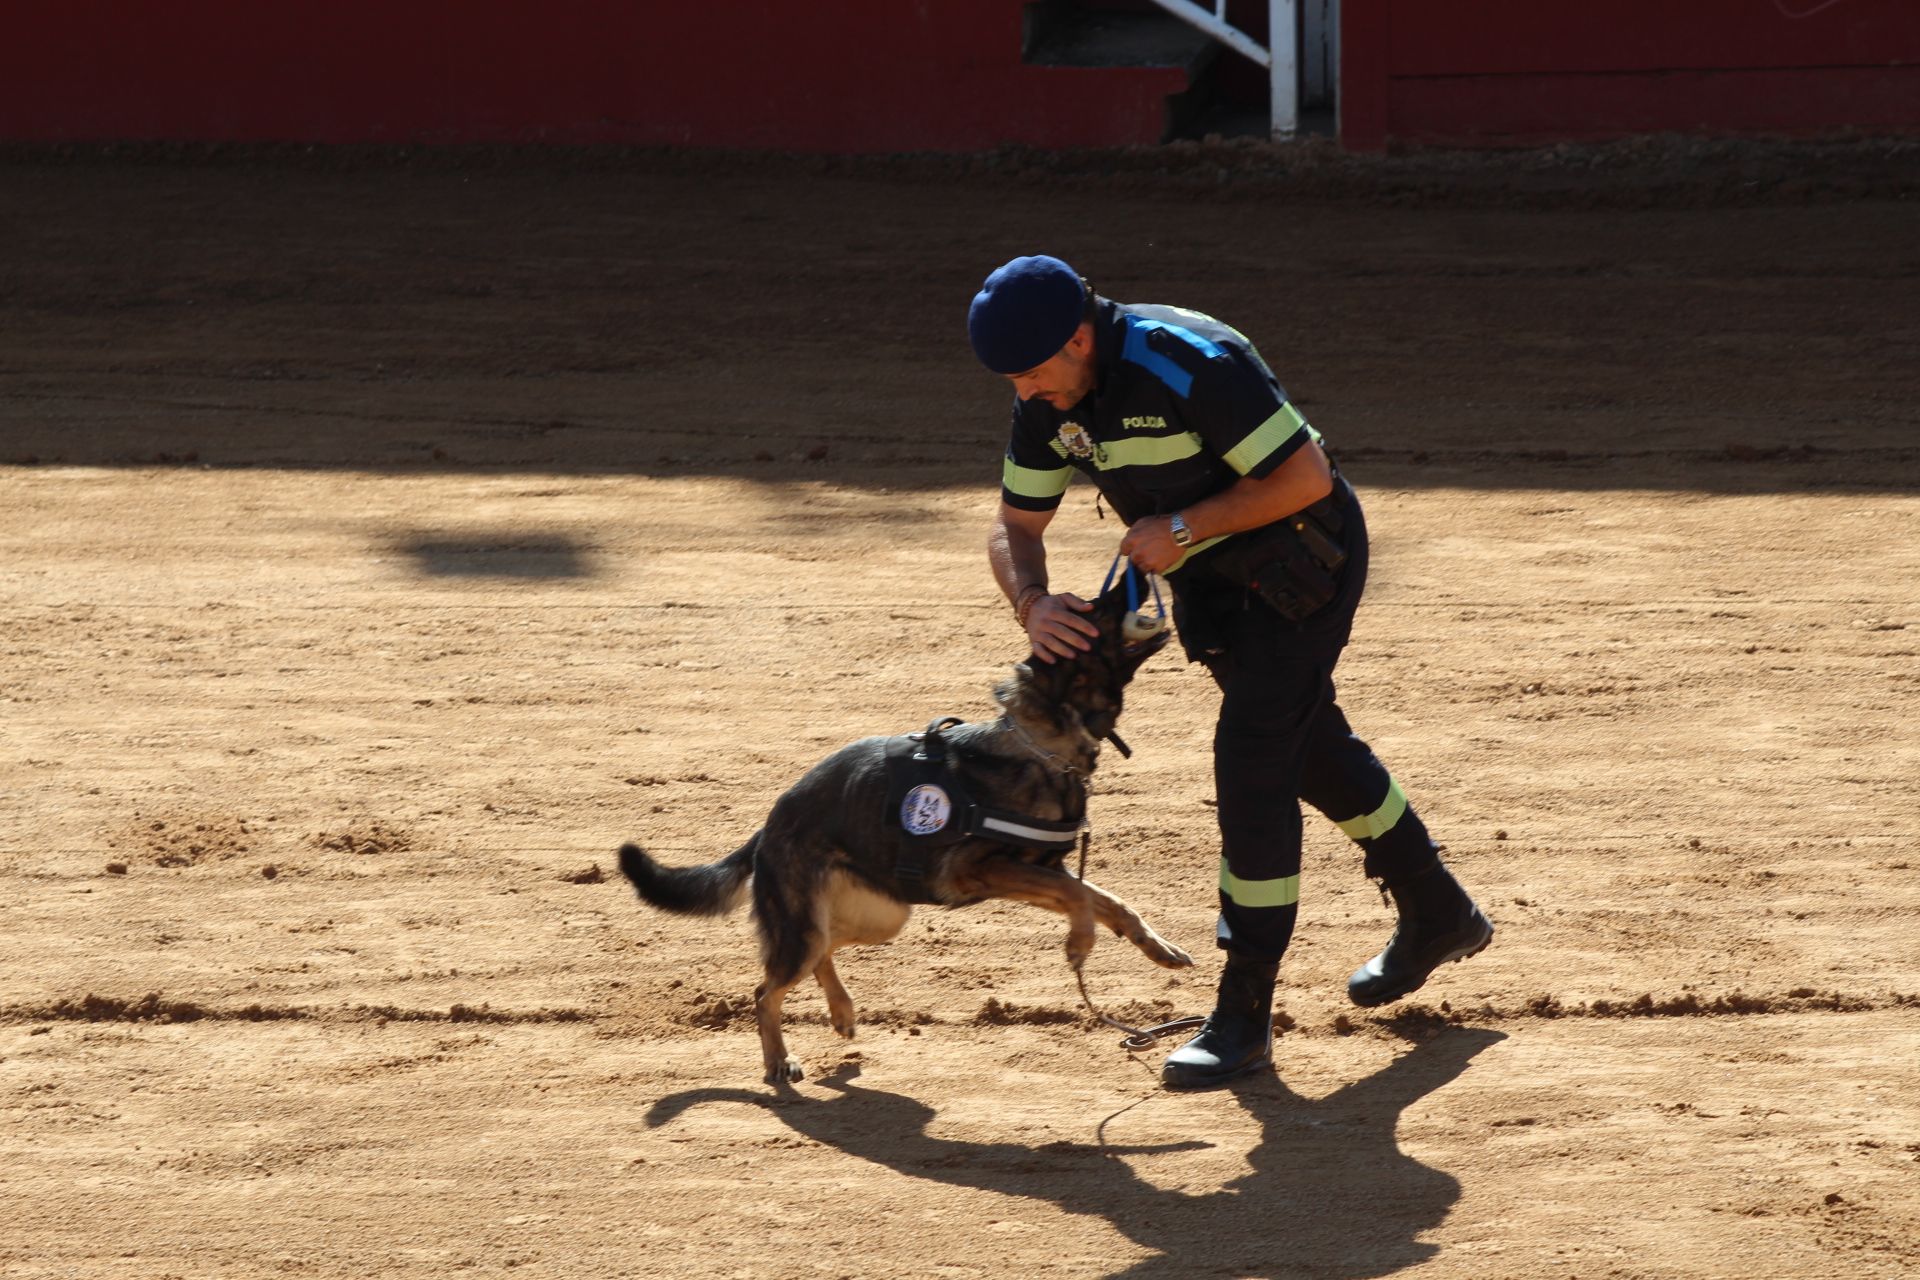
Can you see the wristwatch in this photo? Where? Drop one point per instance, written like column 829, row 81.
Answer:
column 1182, row 536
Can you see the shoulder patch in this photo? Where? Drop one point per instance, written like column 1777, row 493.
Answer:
column 1138, row 349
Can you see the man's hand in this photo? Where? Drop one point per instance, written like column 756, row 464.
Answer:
column 1303, row 479
column 1057, row 630
column 1149, row 544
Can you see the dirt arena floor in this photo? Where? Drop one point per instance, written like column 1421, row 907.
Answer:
column 383, row 541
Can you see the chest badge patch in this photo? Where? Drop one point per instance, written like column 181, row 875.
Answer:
column 1075, row 437
column 925, row 810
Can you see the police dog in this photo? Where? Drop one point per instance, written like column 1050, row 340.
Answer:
column 825, row 871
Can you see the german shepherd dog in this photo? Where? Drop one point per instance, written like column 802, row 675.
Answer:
column 825, row 870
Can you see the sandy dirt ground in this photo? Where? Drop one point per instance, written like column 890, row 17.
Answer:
column 383, row 543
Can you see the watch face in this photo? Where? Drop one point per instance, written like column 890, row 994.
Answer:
column 1181, row 534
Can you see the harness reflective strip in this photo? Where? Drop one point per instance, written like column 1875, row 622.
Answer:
column 1029, row 483
column 1000, row 826
column 1284, row 892
column 1145, row 451
column 1285, row 423
column 1369, row 826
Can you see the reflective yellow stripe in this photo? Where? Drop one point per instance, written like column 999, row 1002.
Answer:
column 1369, row 825
column 1145, row 451
column 1029, row 483
column 1285, row 423
column 1283, row 892
column 1194, row 550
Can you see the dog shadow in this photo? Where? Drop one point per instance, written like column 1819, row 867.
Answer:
column 1330, row 1194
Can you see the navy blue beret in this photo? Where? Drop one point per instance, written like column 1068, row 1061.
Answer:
column 1025, row 313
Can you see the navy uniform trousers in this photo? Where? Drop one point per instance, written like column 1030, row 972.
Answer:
column 1282, row 738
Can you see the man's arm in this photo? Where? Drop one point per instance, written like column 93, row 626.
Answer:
column 1302, row 480
column 1017, row 553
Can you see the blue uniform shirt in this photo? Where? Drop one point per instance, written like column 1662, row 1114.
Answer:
column 1182, row 407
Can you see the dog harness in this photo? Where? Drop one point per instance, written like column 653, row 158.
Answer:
column 928, row 801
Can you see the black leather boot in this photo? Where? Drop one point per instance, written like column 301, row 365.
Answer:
column 1438, row 923
column 1238, row 1037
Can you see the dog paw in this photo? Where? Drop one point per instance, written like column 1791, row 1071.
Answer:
column 788, row 1072
column 1167, row 956
column 843, row 1029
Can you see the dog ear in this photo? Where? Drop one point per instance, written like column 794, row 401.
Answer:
column 1112, row 603
column 1050, row 680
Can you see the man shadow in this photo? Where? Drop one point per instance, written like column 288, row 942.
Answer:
column 1330, row 1193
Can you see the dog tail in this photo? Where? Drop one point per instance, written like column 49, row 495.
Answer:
column 712, row 890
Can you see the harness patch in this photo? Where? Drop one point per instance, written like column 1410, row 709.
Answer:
column 926, row 809
column 929, row 801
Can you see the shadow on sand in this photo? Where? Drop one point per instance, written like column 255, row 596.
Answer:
column 1330, row 1193
column 496, row 553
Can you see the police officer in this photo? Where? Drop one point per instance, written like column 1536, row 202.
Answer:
column 1224, row 488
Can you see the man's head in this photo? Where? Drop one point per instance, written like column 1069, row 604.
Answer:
column 1031, row 323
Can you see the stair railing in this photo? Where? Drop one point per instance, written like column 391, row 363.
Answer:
column 1280, row 55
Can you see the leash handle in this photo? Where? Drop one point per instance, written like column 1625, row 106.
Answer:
column 1134, row 575
column 1132, row 579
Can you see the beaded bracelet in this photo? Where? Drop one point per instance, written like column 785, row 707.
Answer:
column 1030, row 595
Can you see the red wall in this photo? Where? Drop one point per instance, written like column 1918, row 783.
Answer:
column 900, row 75
column 845, row 75
column 1519, row 71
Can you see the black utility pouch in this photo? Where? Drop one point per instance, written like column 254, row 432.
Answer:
column 1293, row 584
column 1293, row 564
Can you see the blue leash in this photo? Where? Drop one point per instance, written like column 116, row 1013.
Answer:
column 1133, row 576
